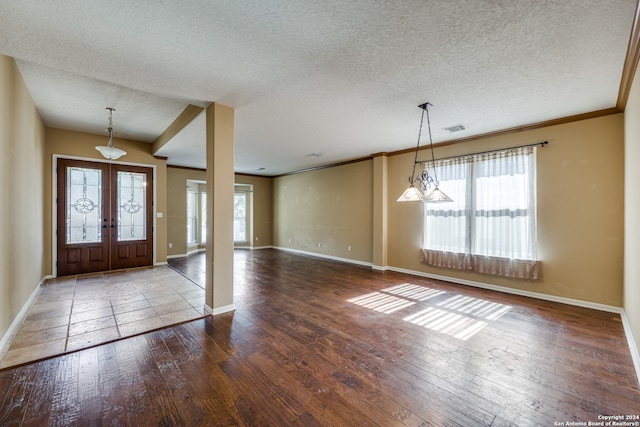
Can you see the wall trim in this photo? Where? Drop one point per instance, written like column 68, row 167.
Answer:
column 195, row 251
column 635, row 356
column 531, row 126
column 513, row 291
column 219, row 310
column 334, row 258
column 176, row 256
column 631, row 62
column 327, row 166
column 11, row 332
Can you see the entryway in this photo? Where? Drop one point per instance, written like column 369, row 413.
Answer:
column 104, row 216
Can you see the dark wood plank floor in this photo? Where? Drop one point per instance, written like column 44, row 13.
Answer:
column 316, row 342
column 191, row 266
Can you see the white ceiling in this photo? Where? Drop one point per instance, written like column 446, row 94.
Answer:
column 340, row 78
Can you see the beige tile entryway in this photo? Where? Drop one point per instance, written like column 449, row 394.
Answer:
column 77, row 312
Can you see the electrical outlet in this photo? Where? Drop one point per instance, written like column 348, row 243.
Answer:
column 170, row 245
column 257, row 238
column 349, row 248
column 319, row 245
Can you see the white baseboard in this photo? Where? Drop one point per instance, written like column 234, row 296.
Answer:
column 219, row 310
column 537, row 295
column 252, row 247
column 176, row 256
column 635, row 356
column 5, row 342
column 334, row 258
column 195, row 250
column 157, row 264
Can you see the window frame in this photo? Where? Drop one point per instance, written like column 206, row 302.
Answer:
column 470, row 171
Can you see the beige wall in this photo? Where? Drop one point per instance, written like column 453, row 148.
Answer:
column 331, row 207
column 177, row 207
column 580, row 210
column 82, row 145
column 21, row 191
column 632, row 211
column 261, row 208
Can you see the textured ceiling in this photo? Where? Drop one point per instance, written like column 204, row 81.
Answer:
column 341, row 78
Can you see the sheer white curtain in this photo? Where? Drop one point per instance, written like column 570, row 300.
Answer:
column 491, row 225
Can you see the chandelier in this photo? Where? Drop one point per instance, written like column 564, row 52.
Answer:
column 419, row 184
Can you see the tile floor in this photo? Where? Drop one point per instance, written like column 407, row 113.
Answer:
column 76, row 312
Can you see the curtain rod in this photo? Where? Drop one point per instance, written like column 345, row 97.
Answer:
column 542, row 144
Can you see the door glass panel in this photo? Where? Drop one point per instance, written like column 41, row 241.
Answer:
column 84, row 205
column 132, row 192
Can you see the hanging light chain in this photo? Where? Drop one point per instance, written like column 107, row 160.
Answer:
column 110, row 129
column 424, row 180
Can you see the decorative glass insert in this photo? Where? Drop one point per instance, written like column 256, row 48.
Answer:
column 132, row 196
column 84, row 205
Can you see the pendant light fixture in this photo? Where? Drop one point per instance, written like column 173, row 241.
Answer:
column 419, row 184
column 109, row 151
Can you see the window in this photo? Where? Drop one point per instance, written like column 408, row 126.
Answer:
column 192, row 218
column 240, row 217
column 490, row 227
column 203, row 217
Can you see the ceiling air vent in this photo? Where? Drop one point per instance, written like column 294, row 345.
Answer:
column 456, row 128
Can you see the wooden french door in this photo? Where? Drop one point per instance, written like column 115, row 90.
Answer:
column 105, row 216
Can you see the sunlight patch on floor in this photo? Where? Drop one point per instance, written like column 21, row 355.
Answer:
column 414, row 292
column 458, row 316
column 447, row 322
column 381, row 302
column 475, row 307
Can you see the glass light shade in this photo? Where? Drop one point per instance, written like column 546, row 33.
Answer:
column 437, row 196
column 412, row 194
column 111, row 153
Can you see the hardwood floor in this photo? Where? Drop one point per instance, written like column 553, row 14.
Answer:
column 191, row 266
column 316, row 342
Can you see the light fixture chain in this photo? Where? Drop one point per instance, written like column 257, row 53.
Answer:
column 433, row 159
column 415, row 160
